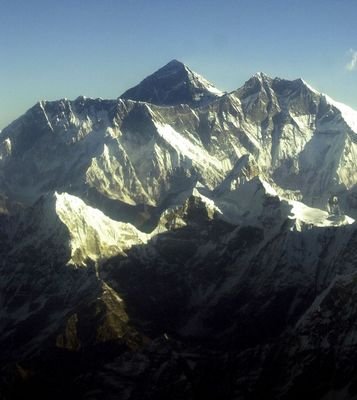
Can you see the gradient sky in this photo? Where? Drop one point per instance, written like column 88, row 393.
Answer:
column 99, row 48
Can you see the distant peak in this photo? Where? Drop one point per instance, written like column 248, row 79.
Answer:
column 173, row 84
column 261, row 75
column 259, row 80
column 172, row 67
column 81, row 98
column 174, row 63
column 256, row 83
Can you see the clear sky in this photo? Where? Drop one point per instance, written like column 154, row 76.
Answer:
column 51, row 49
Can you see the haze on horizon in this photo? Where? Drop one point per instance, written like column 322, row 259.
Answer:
column 51, row 50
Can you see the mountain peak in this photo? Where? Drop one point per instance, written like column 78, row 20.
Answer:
column 170, row 68
column 262, row 83
column 261, row 76
column 260, row 79
column 173, row 84
column 174, row 62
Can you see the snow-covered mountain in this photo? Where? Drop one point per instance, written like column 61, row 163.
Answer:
column 174, row 226
column 301, row 141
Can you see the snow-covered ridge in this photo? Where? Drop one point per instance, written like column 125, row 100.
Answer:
column 195, row 78
column 348, row 113
column 256, row 201
column 310, row 87
column 94, row 235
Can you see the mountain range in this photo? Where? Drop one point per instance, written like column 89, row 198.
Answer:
column 180, row 242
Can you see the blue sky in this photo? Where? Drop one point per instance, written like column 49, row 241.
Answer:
column 54, row 49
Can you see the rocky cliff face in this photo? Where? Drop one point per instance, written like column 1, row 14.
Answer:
column 176, row 243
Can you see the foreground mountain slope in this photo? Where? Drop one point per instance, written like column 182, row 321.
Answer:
column 186, row 291
column 49, row 274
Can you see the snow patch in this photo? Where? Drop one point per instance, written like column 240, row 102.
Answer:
column 305, row 215
column 5, row 148
column 186, row 147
